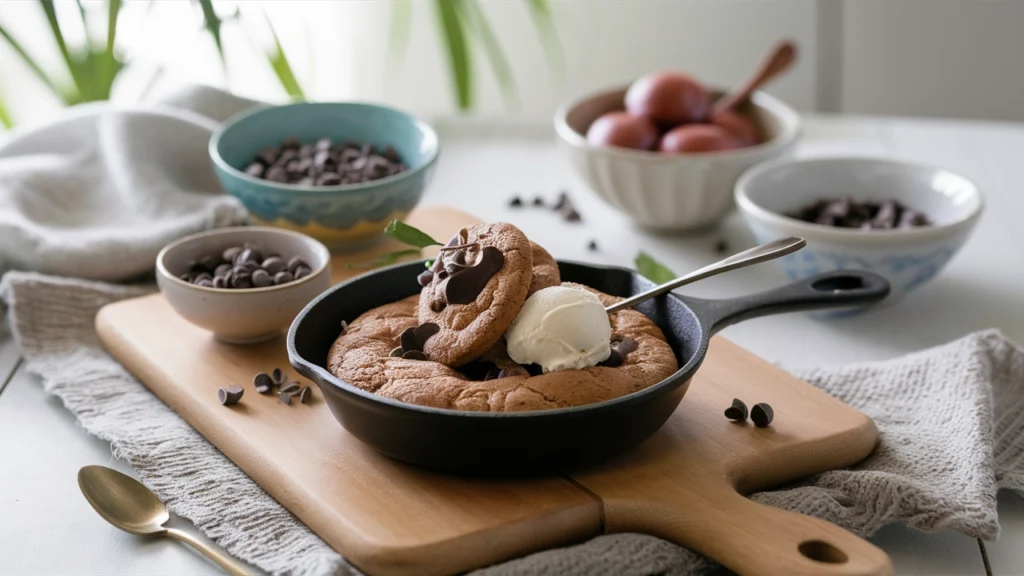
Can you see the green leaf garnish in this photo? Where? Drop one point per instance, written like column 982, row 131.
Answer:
column 385, row 259
column 652, row 269
column 428, row 264
column 409, row 235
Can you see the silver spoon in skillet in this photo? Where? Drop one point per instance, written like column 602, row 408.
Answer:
column 764, row 252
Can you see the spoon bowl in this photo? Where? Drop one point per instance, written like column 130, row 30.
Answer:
column 123, row 501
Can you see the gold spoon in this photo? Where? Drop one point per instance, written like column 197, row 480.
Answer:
column 127, row 504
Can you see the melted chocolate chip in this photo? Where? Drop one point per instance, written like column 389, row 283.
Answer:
column 626, row 345
column 464, row 287
column 515, row 370
column 615, row 359
column 409, row 341
column 414, row 355
column 413, row 339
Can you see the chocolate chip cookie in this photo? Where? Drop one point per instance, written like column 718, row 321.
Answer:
column 361, row 357
column 545, row 269
column 479, row 282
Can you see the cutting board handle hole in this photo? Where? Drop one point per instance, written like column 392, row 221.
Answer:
column 838, row 283
column 821, row 551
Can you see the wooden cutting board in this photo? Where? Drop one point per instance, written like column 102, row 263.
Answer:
column 389, row 518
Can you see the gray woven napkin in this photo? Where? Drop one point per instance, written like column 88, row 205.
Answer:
column 951, row 422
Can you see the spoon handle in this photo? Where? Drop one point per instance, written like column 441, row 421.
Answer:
column 779, row 60
column 757, row 254
column 229, row 564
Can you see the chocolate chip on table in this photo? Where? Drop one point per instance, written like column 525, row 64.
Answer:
column 291, row 388
column 571, row 215
column 869, row 215
column 762, row 415
column 737, row 412
column 230, row 395
column 592, row 246
column 305, row 395
column 515, row 202
column 538, row 201
column 277, row 376
column 285, row 398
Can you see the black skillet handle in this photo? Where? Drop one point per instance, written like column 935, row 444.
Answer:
column 841, row 288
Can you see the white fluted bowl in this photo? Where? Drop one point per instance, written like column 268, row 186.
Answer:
column 673, row 192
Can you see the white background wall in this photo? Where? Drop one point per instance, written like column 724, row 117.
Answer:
column 959, row 58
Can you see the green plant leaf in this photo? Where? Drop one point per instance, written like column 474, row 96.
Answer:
column 540, row 11
column 283, row 70
column 212, row 23
column 475, row 15
column 113, row 10
column 652, row 269
column 409, row 235
column 398, row 34
column 5, row 117
column 385, row 259
column 458, row 51
column 32, row 64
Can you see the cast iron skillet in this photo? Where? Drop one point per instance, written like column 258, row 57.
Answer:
column 483, row 443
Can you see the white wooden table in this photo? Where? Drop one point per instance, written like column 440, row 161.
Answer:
column 46, row 527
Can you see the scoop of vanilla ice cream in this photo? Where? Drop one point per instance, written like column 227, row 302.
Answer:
column 560, row 328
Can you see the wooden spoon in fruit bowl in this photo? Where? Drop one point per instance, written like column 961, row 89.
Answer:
column 780, row 59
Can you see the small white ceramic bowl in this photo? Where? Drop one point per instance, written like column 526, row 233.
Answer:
column 672, row 192
column 907, row 258
column 247, row 315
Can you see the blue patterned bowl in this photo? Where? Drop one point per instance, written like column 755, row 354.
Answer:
column 907, row 258
column 339, row 216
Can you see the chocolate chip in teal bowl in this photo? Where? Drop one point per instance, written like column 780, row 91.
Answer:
column 340, row 216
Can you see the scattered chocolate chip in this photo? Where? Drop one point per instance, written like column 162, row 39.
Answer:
column 305, row 395
column 464, row 287
column 285, row 398
column 571, row 215
column 425, row 278
column 721, row 247
column 515, row 202
column 869, row 215
column 414, row 355
column 396, row 352
column 737, row 412
column 263, row 382
column 538, row 201
column 615, row 359
column 277, row 377
column 762, row 415
column 592, row 246
column 563, row 201
column 230, row 395
column 291, row 388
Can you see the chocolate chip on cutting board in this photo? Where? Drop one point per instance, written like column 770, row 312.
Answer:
column 246, row 266
column 737, row 412
column 230, row 395
column 762, row 415
column 325, row 163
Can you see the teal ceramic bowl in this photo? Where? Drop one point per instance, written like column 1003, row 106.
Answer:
column 339, row 216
